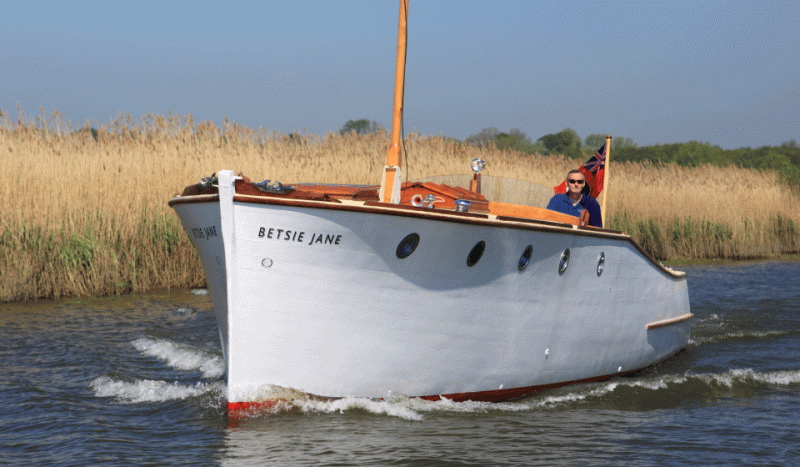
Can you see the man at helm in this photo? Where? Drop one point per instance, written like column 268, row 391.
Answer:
column 577, row 199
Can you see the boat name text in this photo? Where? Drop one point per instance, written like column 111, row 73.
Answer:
column 205, row 232
column 298, row 236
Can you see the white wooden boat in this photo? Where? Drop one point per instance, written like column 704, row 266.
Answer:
column 336, row 291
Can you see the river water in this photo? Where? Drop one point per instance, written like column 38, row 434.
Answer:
column 138, row 381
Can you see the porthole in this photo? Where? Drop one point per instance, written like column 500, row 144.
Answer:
column 476, row 253
column 407, row 245
column 601, row 262
column 525, row 259
column 562, row 265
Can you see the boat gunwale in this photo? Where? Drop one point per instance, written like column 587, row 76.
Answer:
column 202, row 198
column 488, row 220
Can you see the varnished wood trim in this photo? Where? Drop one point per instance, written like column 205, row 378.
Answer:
column 531, row 212
column 534, row 221
column 391, row 206
column 670, row 322
column 193, row 199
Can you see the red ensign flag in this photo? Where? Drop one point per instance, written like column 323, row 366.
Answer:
column 593, row 170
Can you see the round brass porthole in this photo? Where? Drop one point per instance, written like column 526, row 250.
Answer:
column 476, row 253
column 525, row 259
column 407, row 245
column 562, row 265
column 601, row 262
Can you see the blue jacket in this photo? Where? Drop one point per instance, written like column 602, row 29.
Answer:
column 562, row 203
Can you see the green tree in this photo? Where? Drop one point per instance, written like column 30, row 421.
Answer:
column 594, row 141
column 565, row 142
column 620, row 142
column 514, row 140
column 294, row 137
column 484, row 137
column 538, row 148
column 360, row 127
column 87, row 129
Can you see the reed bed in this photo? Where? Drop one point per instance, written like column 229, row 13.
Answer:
column 85, row 212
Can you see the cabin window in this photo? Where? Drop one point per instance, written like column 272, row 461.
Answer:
column 525, row 259
column 407, row 245
column 476, row 253
column 562, row 265
column 601, row 262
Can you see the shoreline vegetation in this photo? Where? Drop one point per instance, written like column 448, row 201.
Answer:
column 85, row 210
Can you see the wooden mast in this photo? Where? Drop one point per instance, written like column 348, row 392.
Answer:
column 605, row 179
column 390, row 184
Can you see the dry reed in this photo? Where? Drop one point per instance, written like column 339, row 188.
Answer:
column 85, row 213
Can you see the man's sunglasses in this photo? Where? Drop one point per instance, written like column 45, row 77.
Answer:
column 579, row 182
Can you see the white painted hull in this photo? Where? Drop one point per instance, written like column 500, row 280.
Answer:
column 347, row 317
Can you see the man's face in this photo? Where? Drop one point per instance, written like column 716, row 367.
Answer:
column 575, row 182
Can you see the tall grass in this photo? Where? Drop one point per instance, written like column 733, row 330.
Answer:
column 704, row 212
column 84, row 212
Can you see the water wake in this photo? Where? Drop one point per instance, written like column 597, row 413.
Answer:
column 630, row 394
column 634, row 393
column 747, row 376
column 639, row 394
column 713, row 329
column 394, row 408
column 150, row 390
column 181, row 356
column 738, row 336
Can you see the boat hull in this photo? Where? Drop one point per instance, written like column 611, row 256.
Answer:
column 315, row 298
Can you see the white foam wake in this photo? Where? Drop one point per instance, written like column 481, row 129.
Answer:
column 181, row 356
column 149, row 390
column 774, row 378
column 714, row 329
column 738, row 335
column 413, row 409
column 378, row 407
column 729, row 379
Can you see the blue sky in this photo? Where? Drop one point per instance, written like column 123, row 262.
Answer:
column 723, row 72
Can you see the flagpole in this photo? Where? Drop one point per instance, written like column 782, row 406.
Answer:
column 605, row 179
